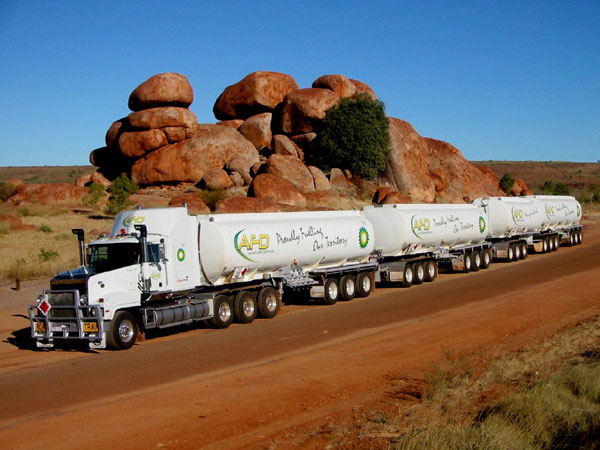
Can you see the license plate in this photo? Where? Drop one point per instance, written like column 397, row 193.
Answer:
column 90, row 327
column 40, row 327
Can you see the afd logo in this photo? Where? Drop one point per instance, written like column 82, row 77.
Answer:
column 250, row 244
column 518, row 215
column 420, row 226
column 550, row 211
column 133, row 220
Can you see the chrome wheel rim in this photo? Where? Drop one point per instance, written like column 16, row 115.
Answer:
column 349, row 287
column 431, row 270
column 248, row 307
column 408, row 275
column 366, row 284
column 126, row 331
column 224, row 311
column 332, row 290
column 271, row 302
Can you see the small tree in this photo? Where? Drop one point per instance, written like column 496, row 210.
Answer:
column 355, row 136
column 120, row 191
column 96, row 193
column 507, row 182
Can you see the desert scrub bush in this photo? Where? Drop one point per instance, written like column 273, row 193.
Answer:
column 45, row 229
column 47, row 255
column 507, row 182
column 96, row 193
column 4, row 227
column 211, row 198
column 552, row 188
column 40, row 211
column 354, row 135
column 7, row 190
column 120, row 190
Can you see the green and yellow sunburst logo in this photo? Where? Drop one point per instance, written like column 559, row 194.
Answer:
column 180, row 254
column 481, row 224
column 363, row 237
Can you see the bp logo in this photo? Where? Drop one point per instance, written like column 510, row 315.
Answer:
column 578, row 211
column 180, row 254
column 363, row 237
column 481, row 224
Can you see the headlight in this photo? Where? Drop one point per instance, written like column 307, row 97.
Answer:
column 39, row 298
column 83, row 300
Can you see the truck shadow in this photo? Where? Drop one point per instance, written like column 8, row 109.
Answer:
column 23, row 341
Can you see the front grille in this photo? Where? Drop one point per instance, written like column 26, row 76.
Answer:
column 64, row 298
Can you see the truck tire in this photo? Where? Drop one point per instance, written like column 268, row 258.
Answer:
column 268, row 302
column 223, row 312
column 510, row 253
column 486, row 258
column 556, row 242
column 579, row 237
column 475, row 261
column 332, row 291
column 523, row 250
column 123, row 331
column 431, row 271
column 364, row 284
column 419, row 275
column 244, row 306
column 408, row 275
column 572, row 239
column 347, row 287
column 467, row 262
column 517, row 251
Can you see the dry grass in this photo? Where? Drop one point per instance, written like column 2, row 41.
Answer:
column 30, row 254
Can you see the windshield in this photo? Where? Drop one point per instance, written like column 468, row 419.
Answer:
column 103, row 258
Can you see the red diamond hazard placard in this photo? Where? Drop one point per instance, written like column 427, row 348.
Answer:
column 44, row 307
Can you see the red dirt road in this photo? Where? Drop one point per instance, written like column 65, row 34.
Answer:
column 280, row 383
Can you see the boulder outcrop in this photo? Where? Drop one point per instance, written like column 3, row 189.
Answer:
column 303, row 109
column 256, row 93
column 339, row 84
column 257, row 129
column 290, row 168
column 163, row 89
column 276, row 189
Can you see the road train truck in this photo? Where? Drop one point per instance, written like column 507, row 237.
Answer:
column 413, row 240
column 538, row 222
column 161, row 267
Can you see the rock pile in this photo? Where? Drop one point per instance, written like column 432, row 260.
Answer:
column 266, row 124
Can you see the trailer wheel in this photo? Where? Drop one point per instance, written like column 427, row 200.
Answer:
column 223, row 313
column 347, row 287
column 431, row 271
column 475, row 261
column 364, row 284
column 123, row 331
column 467, row 262
column 419, row 273
column 579, row 237
column 244, row 306
column 332, row 291
column 517, row 255
column 408, row 275
column 523, row 246
column 268, row 302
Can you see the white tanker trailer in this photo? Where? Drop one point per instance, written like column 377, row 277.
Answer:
column 162, row 267
column 517, row 224
column 411, row 240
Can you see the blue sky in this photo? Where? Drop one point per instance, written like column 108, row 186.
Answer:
column 514, row 80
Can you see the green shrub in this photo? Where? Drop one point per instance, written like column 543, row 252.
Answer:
column 45, row 229
column 211, row 198
column 507, row 182
column 551, row 188
column 120, row 191
column 7, row 190
column 47, row 255
column 96, row 193
column 355, row 136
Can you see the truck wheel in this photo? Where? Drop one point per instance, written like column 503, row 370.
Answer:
column 572, row 238
column 517, row 255
column 347, row 287
column 408, row 275
column 523, row 250
column 123, row 331
column 579, row 237
column 556, row 242
column 510, row 253
column 223, row 312
column 486, row 259
column 431, row 271
column 268, row 302
column 475, row 261
column 364, row 284
column 332, row 291
column 467, row 262
column 244, row 306
column 419, row 273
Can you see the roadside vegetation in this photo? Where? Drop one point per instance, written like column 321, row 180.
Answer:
column 46, row 245
column 542, row 397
